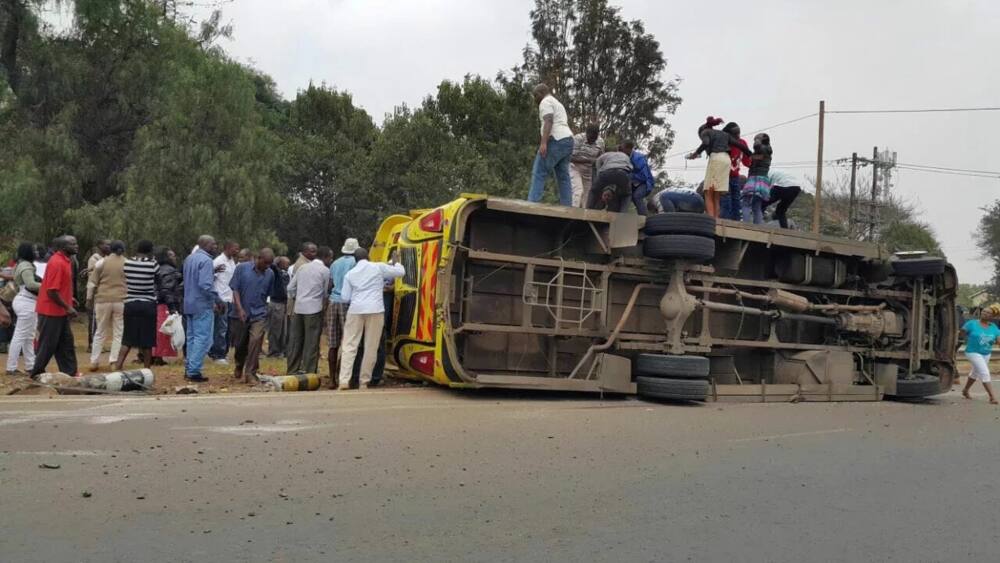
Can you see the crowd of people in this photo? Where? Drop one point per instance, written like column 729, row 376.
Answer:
column 587, row 175
column 229, row 300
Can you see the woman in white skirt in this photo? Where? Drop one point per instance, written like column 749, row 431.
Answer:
column 982, row 334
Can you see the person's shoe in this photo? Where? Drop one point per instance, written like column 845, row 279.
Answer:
column 95, row 367
column 222, row 362
column 13, row 372
column 196, row 378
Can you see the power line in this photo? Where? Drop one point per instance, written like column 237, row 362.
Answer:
column 949, row 173
column 947, row 169
column 768, row 128
column 926, row 110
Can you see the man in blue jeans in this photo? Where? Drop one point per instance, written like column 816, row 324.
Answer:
column 555, row 147
column 200, row 302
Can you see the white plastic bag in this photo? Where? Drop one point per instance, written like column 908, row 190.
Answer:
column 174, row 328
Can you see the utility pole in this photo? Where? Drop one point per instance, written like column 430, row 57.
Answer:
column 873, row 213
column 819, row 168
column 853, row 202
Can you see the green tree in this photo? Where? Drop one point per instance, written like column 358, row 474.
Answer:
column 604, row 69
column 988, row 240
column 898, row 230
column 326, row 173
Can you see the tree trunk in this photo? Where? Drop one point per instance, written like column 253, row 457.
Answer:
column 15, row 10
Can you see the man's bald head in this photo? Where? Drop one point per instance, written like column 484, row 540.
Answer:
column 264, row 258
column 207, row 243
column 309, row 250
column 540, row 91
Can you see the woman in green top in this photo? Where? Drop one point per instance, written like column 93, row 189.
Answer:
column 24, row 307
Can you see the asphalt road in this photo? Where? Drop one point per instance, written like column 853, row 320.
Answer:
column 433, row 475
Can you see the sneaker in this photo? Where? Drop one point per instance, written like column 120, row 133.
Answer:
column 222, row 362
column 95, row 367
column 199, row 378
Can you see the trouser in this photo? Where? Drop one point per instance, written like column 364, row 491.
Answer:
column 248, row 340
column 22, row 341
column 687, row 202
column 753, row 209
column 581, row 177
column 109, row 318
column 277, row 325
column 638, row 196
column 784, row 196
column 358, row 326
column 735, row 208
column 92, row 329
column 303, row 342
column 617, row 179
column 388, row 301
column 220, row 334
column 555, row 161
column 198, row 337
column 55, row 339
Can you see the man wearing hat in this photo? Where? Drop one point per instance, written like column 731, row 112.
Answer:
column 336, row 313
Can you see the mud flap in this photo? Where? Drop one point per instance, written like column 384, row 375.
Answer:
column 615, row 374
column 623, row 231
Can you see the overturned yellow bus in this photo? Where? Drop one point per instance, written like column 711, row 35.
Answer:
column 506, row 293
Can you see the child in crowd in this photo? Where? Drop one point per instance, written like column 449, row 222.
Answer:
column 756, row 191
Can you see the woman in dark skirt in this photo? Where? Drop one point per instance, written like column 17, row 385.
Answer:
column 140, row 304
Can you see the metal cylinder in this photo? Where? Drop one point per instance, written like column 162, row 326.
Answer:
column 788, row 301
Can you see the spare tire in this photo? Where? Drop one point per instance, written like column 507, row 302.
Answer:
column 919, row 385
column 917, row 267
column 661, row 365
column 697, row 248
column 680, row 224
column 672, row 389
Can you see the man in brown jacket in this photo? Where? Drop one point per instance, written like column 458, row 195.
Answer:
column 106, row 293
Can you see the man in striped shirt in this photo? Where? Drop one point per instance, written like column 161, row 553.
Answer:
column 140, row 304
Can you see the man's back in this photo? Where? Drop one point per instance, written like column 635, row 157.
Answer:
column 198, row 283
column 310, row 284
column 109, row 279
column 338, row 270
column 363, row 286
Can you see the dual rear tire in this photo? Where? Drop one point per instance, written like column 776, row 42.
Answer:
column 672, row 378
column 689, row 236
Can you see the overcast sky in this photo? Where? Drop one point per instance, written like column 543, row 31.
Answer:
column 757, row 63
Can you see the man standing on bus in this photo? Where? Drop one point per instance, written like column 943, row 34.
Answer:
column 366, row 313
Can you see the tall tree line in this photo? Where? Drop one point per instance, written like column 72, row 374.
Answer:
column 134, row 123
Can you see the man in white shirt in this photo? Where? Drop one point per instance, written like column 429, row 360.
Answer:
column 225, row 265
column 554, row 148
column 366, row 313
column 309, row 286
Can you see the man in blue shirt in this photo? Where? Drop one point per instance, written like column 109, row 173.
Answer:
column 337, row 311
column 642, row 177
column 252, row 282
column 200, row 302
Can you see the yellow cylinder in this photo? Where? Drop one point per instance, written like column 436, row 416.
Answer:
column 304, row 382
